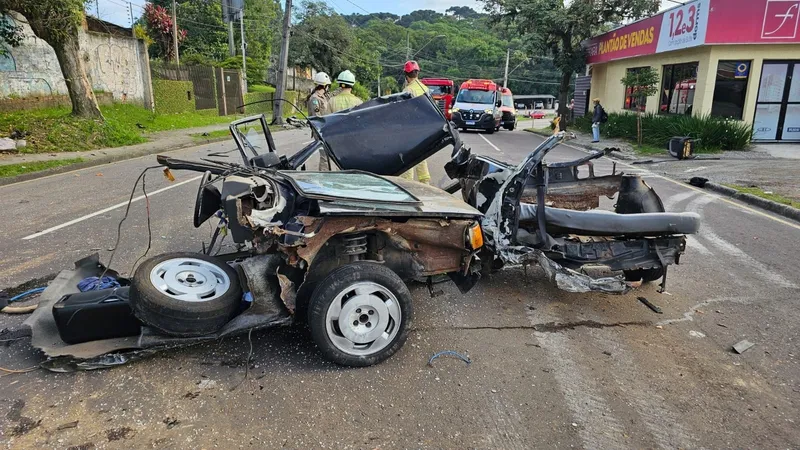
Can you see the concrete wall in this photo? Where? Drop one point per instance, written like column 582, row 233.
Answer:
column 114, row 64
column 606, row 77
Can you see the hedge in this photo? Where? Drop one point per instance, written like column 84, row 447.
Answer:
column 173, row 96
column 260, row 102
column 712, row 133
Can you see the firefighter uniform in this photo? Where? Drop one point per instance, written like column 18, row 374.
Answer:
column 417, row 88
column 318, row 106
column 343, row 100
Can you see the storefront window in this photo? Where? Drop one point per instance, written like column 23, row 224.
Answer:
column 730, row 89
column 677, row 88
column 634, row 102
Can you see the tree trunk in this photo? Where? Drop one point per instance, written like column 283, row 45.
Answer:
column 563, row 99
column 84, row 103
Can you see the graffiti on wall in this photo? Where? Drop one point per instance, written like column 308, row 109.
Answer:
column 113, row 64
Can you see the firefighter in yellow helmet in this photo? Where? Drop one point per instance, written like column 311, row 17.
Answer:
column 345, row 99
column 416, row 88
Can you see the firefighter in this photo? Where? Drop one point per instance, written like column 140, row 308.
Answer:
column 416, row 88
column 317, row 104
column 345, row 99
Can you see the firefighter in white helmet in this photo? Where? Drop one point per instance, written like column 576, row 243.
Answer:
column 317, row 104
column 345, row 99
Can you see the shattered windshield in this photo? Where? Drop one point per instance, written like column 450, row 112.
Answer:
column 253, row 136
column 357, row 186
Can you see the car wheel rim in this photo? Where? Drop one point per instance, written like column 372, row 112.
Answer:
column 190, row 279
column 363, row 319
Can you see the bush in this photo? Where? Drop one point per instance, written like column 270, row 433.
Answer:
column 256, row 70
column 361, row 92
column 173, row 96
column 713, row 133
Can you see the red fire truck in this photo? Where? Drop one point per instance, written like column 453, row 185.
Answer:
column 442, row 92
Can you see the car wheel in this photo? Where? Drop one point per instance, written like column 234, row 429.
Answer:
column 185, row 294
column 360, row 314
column 645, row 275
column 489, row 130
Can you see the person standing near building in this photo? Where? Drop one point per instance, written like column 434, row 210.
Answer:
column 317, row 105
column 345, row 99
column 598, row 116
column 415, row 88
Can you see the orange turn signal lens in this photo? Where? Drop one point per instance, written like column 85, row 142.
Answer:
column 475, row 237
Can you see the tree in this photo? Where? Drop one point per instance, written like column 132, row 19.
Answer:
column 557, row 28
column 57, row 23
column 463, row 12
column 641, row 83
column 159, row 26
column 322, row 40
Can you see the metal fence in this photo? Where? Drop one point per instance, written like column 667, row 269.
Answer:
column 212, row 88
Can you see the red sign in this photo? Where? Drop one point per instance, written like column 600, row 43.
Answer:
column 753, row 22
column 636, row 39
column 701, row 22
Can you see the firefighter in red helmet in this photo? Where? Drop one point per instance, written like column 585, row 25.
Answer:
column 416, row 88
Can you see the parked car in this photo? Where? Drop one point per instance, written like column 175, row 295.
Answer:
column 537, row 114
column 538, row 105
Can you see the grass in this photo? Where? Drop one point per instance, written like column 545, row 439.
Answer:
column 760, row 193
column 56, row 130
column 649, row 150
column 260, row 88
column 212, row 134
column 12, row 170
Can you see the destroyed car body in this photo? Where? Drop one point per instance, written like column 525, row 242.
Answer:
column 335, row 248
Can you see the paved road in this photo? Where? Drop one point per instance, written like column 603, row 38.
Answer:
column 550, row 369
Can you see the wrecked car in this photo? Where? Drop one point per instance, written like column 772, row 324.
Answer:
column 336, row 248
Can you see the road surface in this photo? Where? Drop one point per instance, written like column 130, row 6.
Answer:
column 550, row 369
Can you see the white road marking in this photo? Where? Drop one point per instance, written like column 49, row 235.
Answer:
column 693, row 243
column 754, row 266
column 488, row 142
column 105, row 210
column 598, row 426
column 688, row 316
column 677, row 198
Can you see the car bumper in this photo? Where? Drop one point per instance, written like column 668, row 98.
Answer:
column 485, row 122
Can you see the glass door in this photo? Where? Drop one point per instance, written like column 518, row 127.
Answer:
column 777, row 116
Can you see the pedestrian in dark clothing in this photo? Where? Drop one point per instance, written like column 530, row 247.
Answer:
column 598, row 116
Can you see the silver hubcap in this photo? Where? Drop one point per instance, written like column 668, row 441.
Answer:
column 190, row 279
column 363, row 319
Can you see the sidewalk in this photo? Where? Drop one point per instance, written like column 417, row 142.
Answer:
column 764, row 166
column 158, row 142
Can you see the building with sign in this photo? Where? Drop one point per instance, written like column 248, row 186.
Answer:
column 737, row 59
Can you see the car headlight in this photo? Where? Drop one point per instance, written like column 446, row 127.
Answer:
column 488, row 111
column 452, row 110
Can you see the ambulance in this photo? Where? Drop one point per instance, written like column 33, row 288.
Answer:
column 477, row 106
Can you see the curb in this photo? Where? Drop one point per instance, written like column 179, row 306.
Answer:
column 613, row 154
column 106, row 159
column 775, row 207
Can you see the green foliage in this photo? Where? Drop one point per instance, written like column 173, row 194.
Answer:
column 13, row 170
column 173, row 96
column 322, row 39
column 260, row 88
column 714, row 133
column 261, row 102
column 361, row 92
column 256, row 71
column 55, row 130
column 10, row 33
column 760, row 193
column 644, row 82
column 557, row 28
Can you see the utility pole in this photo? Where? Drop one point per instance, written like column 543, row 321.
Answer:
column 244, row 50
column 280, row 84
column 130, row 11
column 408, row 45
column 505, row 77
column 379, row 85
column 175, row 32
column 231, row 43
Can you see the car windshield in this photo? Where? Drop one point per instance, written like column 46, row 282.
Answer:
column 475, row 96
column 253, row 137
column 439, row 90
column 354, row 186
column 508, row 100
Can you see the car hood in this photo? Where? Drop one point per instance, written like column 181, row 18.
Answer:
column 386, row 135
column 473, row 106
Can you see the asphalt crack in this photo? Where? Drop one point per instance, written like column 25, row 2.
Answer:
column 549, row 327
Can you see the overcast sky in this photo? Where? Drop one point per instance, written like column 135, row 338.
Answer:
column 117, row 11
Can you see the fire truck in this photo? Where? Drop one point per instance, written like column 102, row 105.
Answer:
column 441, row 90
column 477, row 105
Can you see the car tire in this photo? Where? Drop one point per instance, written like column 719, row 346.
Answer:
column 345, row 306
column 489, row 130
column 185, row 294
column 645, row 275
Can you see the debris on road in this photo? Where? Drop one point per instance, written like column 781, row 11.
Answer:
column 647, row 303
column 466, row 359
column 742, row 346
column 696, row 334
column 206, row 384
column 68, row 425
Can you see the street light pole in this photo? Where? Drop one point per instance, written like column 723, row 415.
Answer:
column 244, row 49
column 505, row 77
column 408, row 44
column 280, row 83
column 175, row 33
